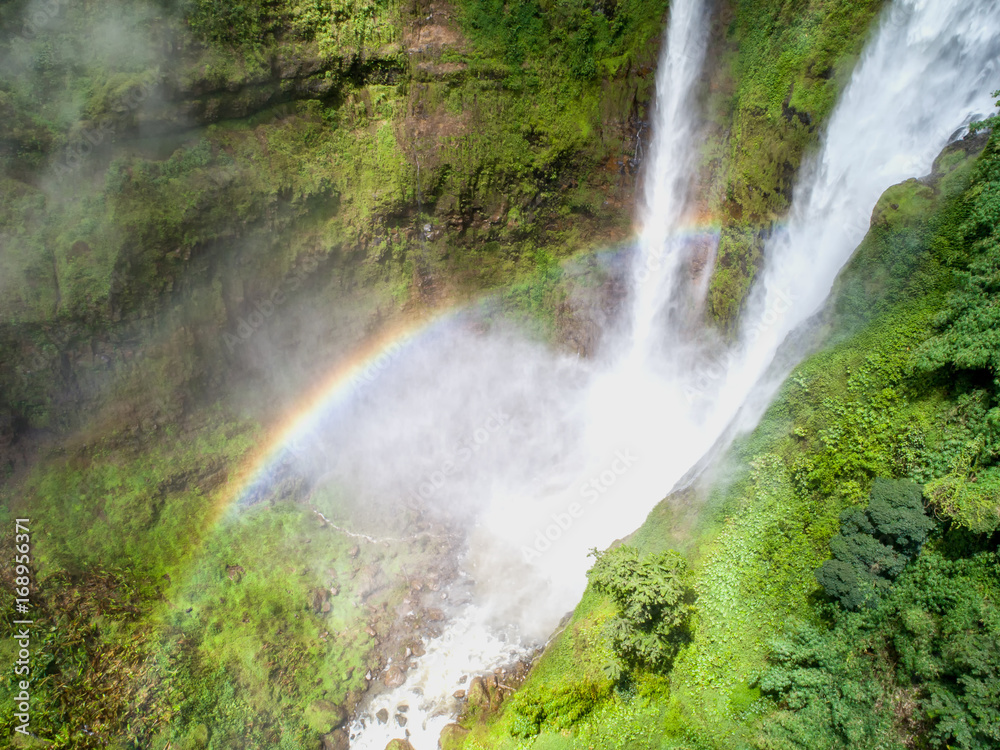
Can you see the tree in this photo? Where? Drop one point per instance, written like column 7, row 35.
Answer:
column 653, row 603
column 875, row 544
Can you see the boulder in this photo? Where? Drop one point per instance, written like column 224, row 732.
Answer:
column 394, row 677
column 399, row 745
column 320, row 599
column 336, row 740
column 324, row 716
column 452, row 737
column 478, row 695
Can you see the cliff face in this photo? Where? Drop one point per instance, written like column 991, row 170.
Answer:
column 169, row 171
column 177, row 182
column 194, row 166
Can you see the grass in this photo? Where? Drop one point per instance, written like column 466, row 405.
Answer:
column 165, row 613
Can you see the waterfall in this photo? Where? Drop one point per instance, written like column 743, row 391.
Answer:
column 591, row 446
column 668, row 172
column 927, row 74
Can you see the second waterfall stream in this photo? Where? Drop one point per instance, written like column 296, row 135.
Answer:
column 579, row 451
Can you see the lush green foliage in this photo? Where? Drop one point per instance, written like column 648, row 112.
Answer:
column 927, row 655
column 782, row 66
column 967, row 348
column 340, row 27
column 587, row 39
column 874, row 544
column 653, row 603
column 241, row 22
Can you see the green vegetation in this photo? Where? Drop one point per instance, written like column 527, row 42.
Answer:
column 783, row 65
column 186, row 617
column 875, row 544
column 924, row 662
column 966, row 347
column 653, row 605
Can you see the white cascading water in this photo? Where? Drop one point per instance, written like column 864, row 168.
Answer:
column 577, row 452
column 928, row 73
column 668, row 174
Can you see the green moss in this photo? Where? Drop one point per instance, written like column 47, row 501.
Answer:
column 781, row 68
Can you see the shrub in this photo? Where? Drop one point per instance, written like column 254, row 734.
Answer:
column 653, row 604
column 875, row 544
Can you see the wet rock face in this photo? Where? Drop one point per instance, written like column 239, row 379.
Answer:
column 321, row 600
column 336, row 740
column 487, row 693
column 478, row 696
column 394, row 677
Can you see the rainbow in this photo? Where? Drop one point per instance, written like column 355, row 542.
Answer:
column 360, row 368
column 363, row 366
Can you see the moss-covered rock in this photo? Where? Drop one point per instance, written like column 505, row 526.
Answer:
column 453, row 737
column 324, row 716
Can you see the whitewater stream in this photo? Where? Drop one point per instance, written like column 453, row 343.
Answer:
column 568, row 454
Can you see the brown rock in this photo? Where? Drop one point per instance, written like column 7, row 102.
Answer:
column 394, row 677
column 458, row 694
column 320, row 597
column 399, row 745
column 478, row 696
column 235, row 573
column 336, row 740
